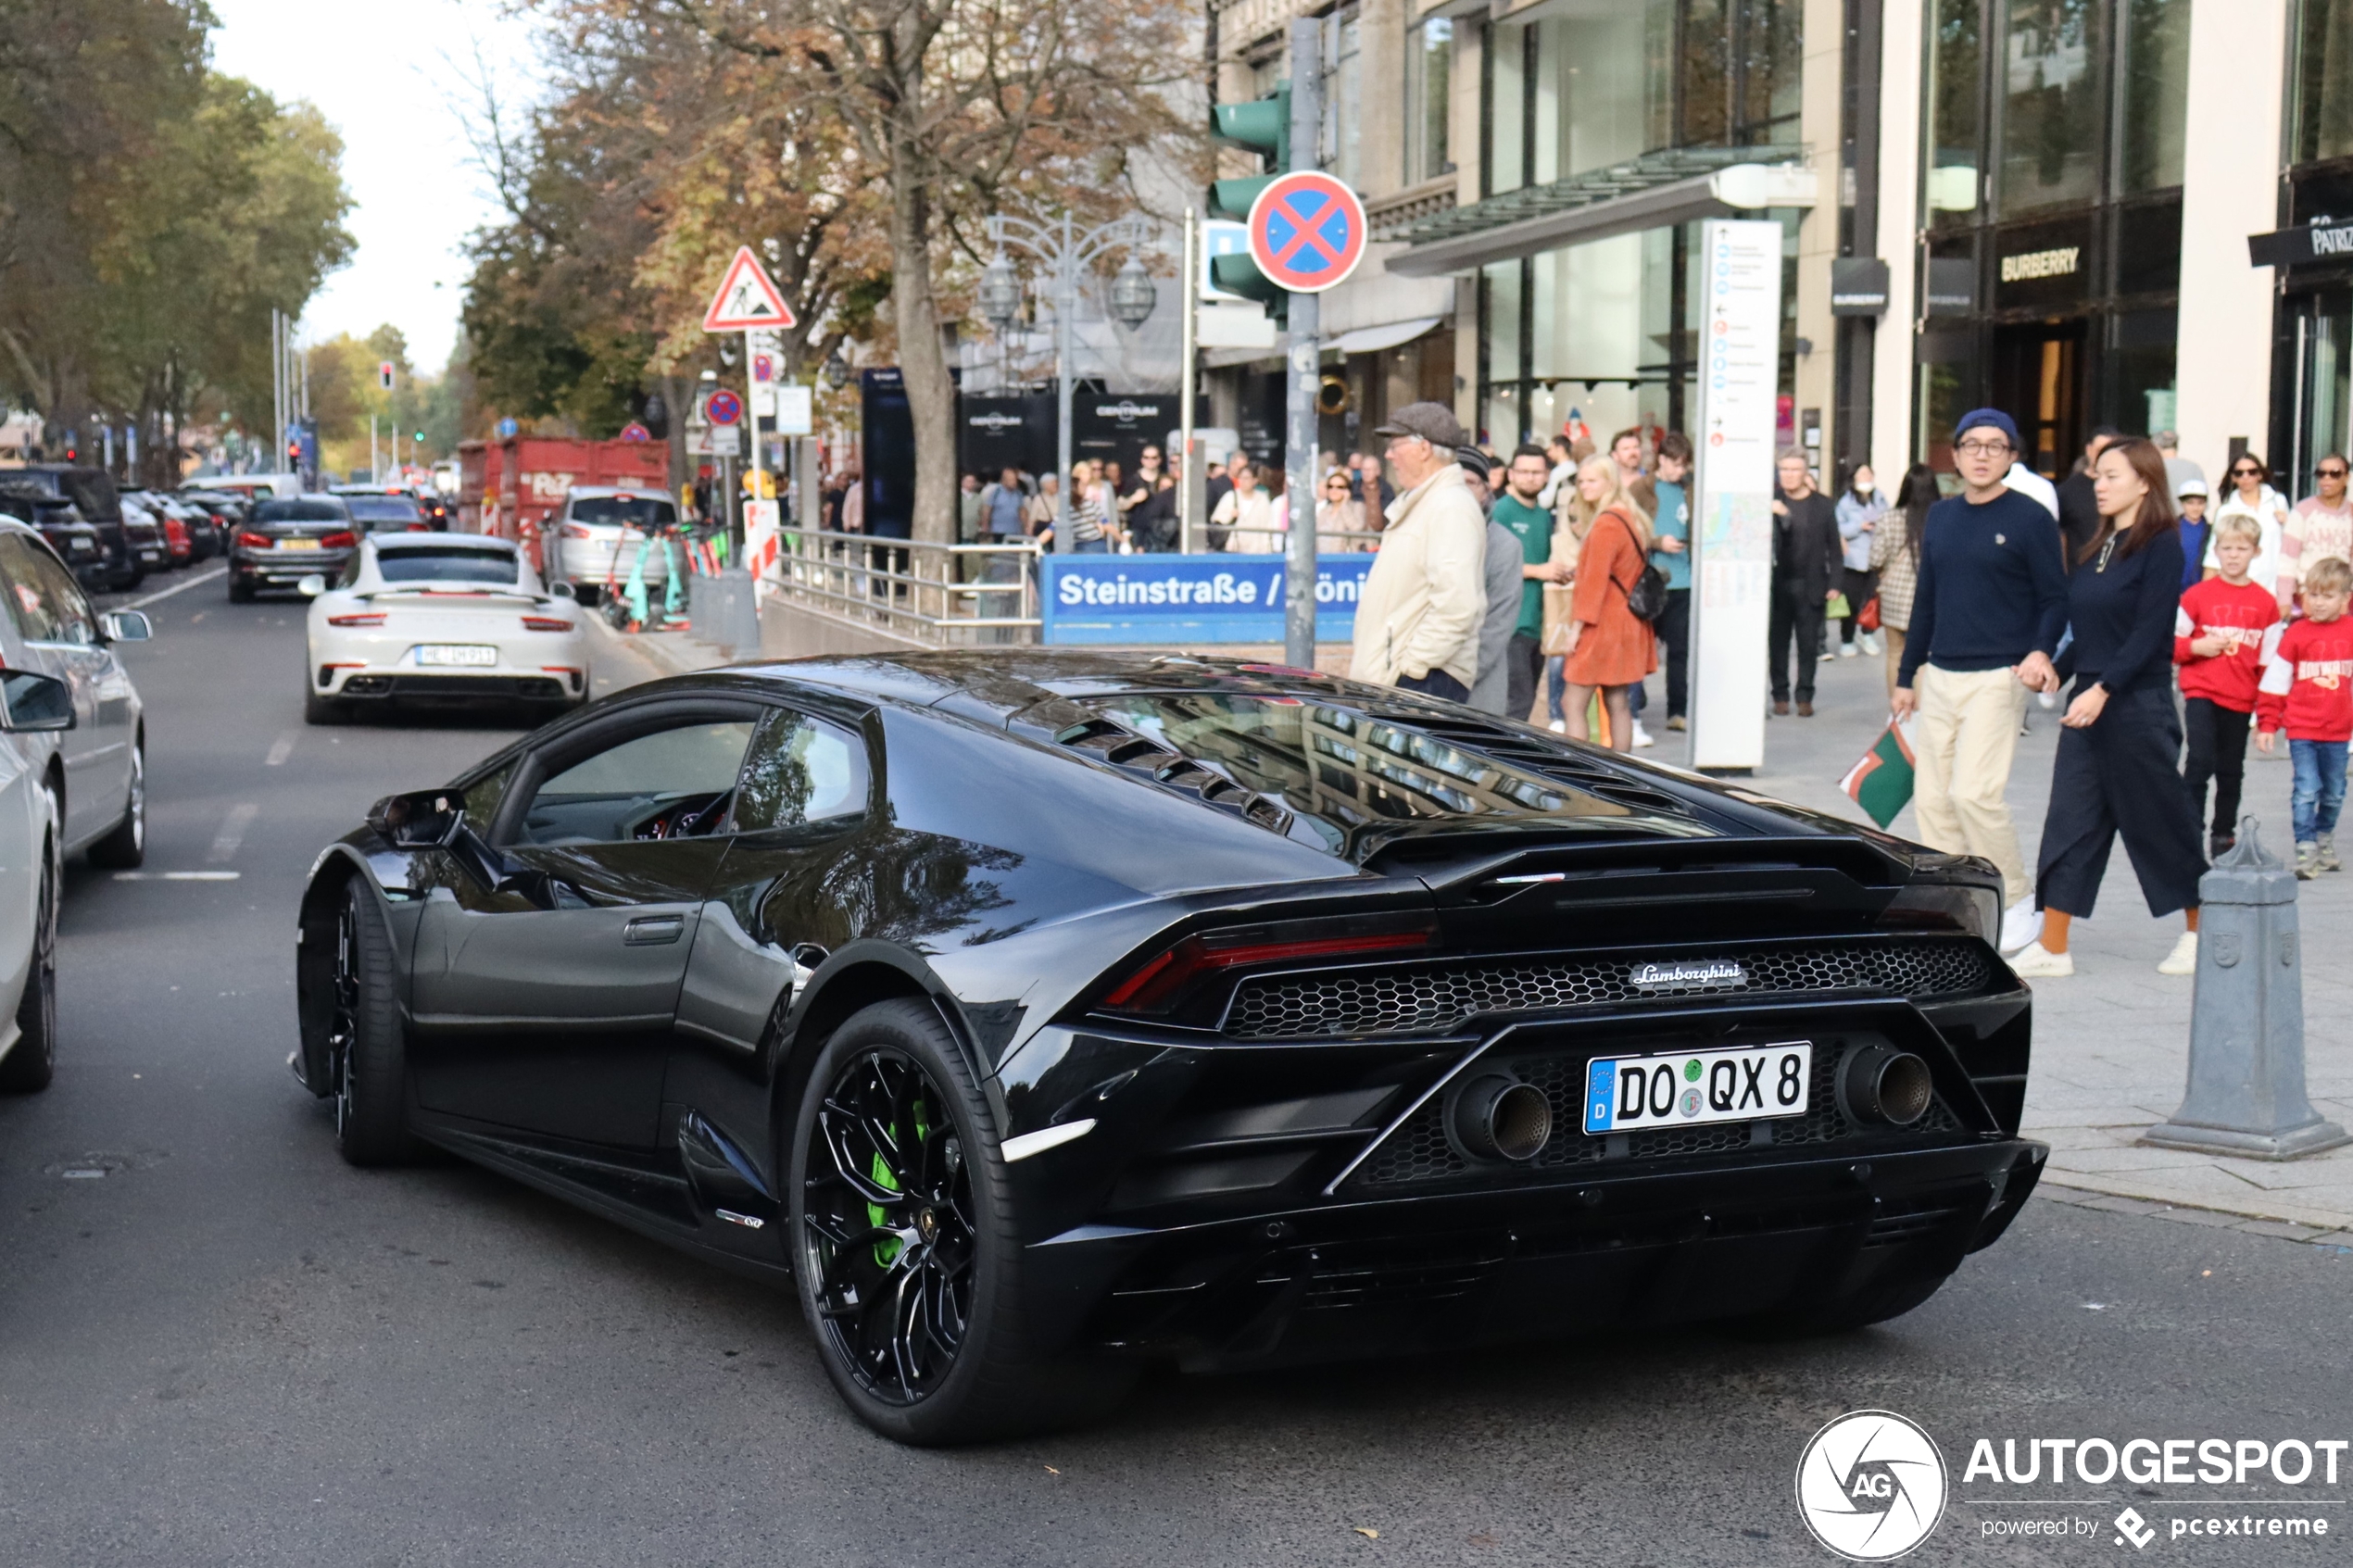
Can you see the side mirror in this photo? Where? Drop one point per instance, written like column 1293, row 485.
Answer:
column 561, row 590
column 424, row 819
column 126, row 626
column 312, row 586
column 36, row 702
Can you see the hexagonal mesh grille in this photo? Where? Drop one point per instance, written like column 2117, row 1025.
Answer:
column 1434, row 996
column 1419, row 1152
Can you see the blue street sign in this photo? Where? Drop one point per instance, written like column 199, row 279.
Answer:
column 1206, row 598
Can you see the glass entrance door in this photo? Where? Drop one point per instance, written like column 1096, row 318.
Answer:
column 2320, row 331
column 2038, row 380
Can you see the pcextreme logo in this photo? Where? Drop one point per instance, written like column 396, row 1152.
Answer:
column 1871, row 1486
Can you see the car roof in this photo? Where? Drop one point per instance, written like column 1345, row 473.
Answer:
column 598, row 492
column 483, row 542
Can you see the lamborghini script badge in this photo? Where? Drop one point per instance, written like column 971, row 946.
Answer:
column 1688, row 976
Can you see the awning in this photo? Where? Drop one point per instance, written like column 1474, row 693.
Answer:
column 1372, row 340
column 1650, row 191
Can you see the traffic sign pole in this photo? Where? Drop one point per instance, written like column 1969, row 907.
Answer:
column 751, row 417
column 1298, row 444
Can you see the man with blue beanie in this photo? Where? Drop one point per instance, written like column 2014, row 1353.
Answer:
column 1987, row 619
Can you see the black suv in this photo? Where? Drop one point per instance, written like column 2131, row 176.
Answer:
column 128, row 551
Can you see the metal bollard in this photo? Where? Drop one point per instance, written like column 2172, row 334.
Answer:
column 2247, row 1020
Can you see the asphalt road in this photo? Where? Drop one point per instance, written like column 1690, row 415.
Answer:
column 233, row 1348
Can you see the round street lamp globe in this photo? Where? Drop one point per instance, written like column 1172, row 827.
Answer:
column 1132, row 295
column 837, row 370
column 999, row 294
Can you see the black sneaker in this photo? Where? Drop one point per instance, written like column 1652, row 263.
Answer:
column 2219, row 845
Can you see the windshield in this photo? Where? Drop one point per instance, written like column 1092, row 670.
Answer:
column 638, row 511
column 451, row 563
column 301, row 511
column 384, row 509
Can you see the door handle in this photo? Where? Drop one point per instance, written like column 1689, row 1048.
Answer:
column 652, row 930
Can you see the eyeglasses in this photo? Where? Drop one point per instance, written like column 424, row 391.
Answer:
column 2331, row 473
column 2244, row 471
column 1982, row 448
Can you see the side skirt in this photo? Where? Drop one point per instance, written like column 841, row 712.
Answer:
column 650, row 1203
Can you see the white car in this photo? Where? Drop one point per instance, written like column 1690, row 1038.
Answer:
column 440, row 617
column 597, row 538
column 72, row 776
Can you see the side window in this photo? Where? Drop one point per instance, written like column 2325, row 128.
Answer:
column 803, row 771
column 44, row 597
column 482, row 797
column 672, row 784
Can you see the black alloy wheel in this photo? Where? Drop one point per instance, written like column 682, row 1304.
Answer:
column 33, row 1061
column 367, row 1055
column 906, row 1254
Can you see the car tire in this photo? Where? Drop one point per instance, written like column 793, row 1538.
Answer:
column 953, row 1210
column 317, row 709
column 366, row 1052
column 32, row 1060
column 126, row 846
column 240, row 590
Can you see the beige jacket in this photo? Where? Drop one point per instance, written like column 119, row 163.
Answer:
column 1423, row 599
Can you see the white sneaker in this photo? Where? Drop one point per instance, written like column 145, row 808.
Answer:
column 1558, row 727
column 1642, row 735
column 1827, row 656
column 2021, row 924
column 2182, row 959
column 1847, row 650
column 2038, row 963
column 1868, row 641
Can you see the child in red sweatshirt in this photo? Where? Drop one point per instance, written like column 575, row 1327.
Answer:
column 2218, row 643
column 2307, row 690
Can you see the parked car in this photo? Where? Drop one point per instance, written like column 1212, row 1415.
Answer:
column 597, row 538
column 441, row 617
column 195, row 520
column 222, row 510
column 92, row 491
column 1035, row 1014
column 287, row 539
column 179, row 547
column 60, row 522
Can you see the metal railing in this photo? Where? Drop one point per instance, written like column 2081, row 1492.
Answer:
column 949, row 595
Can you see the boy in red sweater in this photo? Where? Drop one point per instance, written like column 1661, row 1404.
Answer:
column 2307, row 690
column 2218, row 642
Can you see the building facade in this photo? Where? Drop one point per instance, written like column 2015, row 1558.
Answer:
column 2034, row 187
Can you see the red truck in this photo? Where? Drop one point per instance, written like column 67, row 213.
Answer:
column 510, row 488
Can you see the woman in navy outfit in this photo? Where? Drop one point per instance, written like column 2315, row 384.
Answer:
column 2118, row 769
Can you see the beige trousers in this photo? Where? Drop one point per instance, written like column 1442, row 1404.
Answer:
column 1966, row 734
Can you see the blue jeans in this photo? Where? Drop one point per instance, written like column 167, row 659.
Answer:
column 2320, row 786
column 1555, row 686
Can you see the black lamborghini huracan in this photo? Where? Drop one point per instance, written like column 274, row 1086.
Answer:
column 1039, row 1013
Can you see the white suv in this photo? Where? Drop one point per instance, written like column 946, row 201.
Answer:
column 598, row 539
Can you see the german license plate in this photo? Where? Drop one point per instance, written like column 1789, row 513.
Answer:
column 1751, row 1084
column 297, row 544
column 456, row 653
column 83, row 546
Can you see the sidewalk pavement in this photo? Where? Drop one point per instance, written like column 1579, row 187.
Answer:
column 2111, row 1044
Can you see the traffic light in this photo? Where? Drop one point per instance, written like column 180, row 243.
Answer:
column 1262, row 126
column 421, row 438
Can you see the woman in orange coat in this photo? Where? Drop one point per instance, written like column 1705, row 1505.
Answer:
column 1607, row 644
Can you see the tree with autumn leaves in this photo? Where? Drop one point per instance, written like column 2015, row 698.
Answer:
column 857, row 145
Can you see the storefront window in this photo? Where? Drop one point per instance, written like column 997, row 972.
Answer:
column 2141, row 358
column 1955, row 58
column 1506, row 118
column 1500, row 412
column 2322, row 117
column 2051, row 110
column 1429, row 80
column 2157, row 94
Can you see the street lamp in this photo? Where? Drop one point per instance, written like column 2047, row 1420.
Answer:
column 1132, row 295
column 837, row 369
column 1067, row 254
column 999, row 294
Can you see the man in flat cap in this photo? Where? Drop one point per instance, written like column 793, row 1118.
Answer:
column 1417, row 620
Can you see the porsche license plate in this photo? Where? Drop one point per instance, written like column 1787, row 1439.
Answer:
column 297, row 544
column 456, row 653
column 1752, row 1083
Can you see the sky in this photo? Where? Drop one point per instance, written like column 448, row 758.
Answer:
column 392, row 76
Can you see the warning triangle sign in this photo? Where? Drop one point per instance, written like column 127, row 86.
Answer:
column 749, row 298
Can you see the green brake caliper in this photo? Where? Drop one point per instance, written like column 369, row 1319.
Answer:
column 887, row 1253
